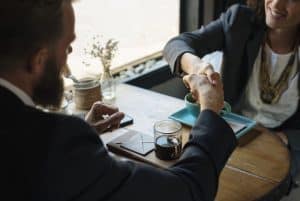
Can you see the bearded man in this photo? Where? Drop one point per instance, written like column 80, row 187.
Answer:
column 50, row 156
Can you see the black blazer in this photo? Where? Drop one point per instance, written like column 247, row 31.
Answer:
column 48, row 156
column 238, row 34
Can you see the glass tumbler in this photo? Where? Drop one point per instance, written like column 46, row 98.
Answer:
column 168, row 139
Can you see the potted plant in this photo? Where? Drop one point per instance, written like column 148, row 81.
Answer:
column 105, row 52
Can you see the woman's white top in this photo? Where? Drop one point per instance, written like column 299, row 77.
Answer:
column 272, row 115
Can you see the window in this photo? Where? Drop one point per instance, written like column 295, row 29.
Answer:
column 142, row 28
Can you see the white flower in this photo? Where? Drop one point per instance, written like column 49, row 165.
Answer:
column 105, row 52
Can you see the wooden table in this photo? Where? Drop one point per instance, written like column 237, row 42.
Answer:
column 251, row 173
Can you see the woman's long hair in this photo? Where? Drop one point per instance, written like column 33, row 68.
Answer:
column 259, row 7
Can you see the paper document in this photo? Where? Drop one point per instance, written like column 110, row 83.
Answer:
column 236, row 127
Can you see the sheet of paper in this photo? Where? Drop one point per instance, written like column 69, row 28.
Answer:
column 236, row 127
column 140, row 143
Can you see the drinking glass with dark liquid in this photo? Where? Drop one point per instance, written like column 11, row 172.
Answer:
column 168, row 139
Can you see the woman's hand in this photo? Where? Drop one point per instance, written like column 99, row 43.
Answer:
column 283, row 137
column 103, row 117
column 208, row 95
column 192, row 64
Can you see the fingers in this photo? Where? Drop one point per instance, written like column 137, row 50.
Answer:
column 185, row 81
column 208, row 95
column 100, row 108
column 217, row 80
column 104, row 117
column 210, row 73
column 282, row 136
column 193, row 81
column 216, row 77
column 190, row 81
column 212, row 77
column 110, row 123
column 115, row 120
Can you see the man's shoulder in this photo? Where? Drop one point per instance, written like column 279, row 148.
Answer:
column 56, row 122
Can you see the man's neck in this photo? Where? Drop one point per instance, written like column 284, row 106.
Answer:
column 282, row 41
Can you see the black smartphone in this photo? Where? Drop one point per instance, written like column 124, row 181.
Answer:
column 127, row 120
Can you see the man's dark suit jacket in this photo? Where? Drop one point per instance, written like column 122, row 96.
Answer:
column 238, row 34
column 48, row 156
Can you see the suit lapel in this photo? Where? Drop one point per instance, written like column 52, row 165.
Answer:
column 253, row 46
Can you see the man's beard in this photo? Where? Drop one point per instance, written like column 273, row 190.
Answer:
column 49, row 91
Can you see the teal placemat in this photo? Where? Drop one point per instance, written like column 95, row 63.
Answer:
column 238, row 123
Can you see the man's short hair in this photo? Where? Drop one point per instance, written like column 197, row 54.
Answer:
column 26, row 26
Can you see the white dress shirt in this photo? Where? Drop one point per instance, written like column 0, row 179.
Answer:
column 17, row 91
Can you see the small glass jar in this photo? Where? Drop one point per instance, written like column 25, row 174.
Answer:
column 168, row 139
column 86, row 92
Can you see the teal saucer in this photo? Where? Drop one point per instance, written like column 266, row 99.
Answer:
column 239, row 124
column 184, row 116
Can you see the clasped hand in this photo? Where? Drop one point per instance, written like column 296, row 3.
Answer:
column 208, row 92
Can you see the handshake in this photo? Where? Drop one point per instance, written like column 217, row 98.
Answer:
column 207, row 90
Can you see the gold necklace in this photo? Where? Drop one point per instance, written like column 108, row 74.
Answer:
column 270, row 93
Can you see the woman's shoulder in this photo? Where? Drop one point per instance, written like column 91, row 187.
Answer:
column 241, row 10
column 238, row 15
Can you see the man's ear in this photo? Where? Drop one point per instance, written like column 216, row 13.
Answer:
column 38, row 61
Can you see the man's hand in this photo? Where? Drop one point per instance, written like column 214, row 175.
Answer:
column 192, row 64
column 208, row 95
column 104, row 117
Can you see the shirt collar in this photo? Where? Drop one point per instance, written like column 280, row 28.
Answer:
column 18, row 92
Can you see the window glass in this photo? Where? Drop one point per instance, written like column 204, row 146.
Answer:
column 142, row 28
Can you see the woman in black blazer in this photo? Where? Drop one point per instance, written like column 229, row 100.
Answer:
column 260, row 67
